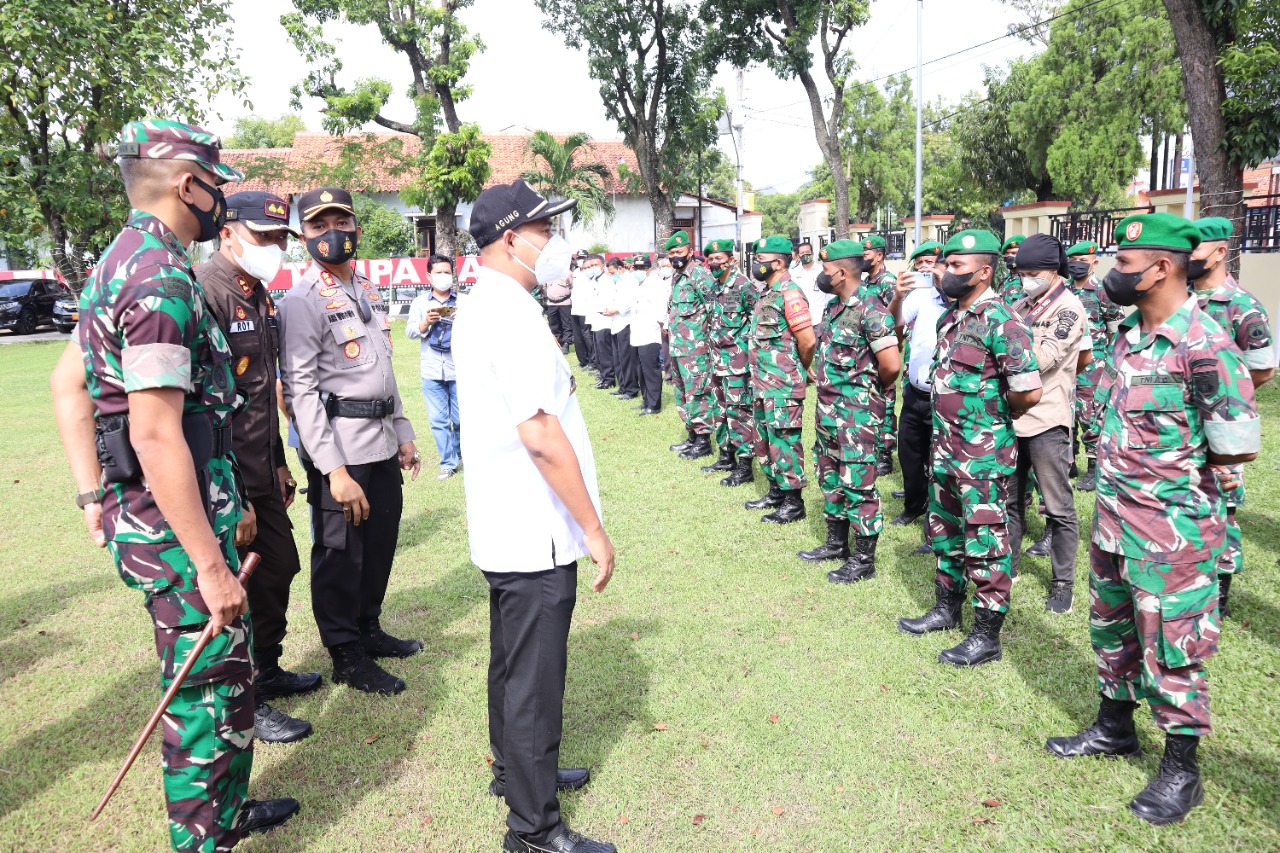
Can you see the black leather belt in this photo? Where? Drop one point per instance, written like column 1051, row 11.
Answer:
column 337, row 407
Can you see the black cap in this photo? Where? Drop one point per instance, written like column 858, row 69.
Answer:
column 1042, row 252
column 314, row 202
column 259, row 211
column 504, row 207
column 642, row 262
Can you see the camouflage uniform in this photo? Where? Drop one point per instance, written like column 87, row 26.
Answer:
column 729, row 324
column 882, row 286
column 983, row 353
column 1012, row 292
column 851, row 409
column 778, row 381
column 1101, row 316
column 692, row 293
column 146, row 325
column 1167, row 399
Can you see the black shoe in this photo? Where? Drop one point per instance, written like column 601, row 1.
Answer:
column 271, row 725
column 791, row 508
column 983, row 643
column 617, row 392
column 1042, row 545
column 1176, row 789
column 273, row 682
column 1224, row 591
column 647, row 411
column 861, row 564
column 771, row 499
column 377, row 643
column 837, row 545
column 257, row 816
column 354, row 668
column 1060, row 598
column 698, row 448
column 1112, row 734
column 603, row 386
column 1089, row 481
column 944, row 614
column 899, row 493
column 923, row 548
column 567, row 779
column 567, row 841
column 884, row 465
column 1074, row 470
column 629, row 395
column 743, row 473
column 904, row 518
column 684, row 445
column 724, row 463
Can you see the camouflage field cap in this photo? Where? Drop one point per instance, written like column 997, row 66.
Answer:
column 972, row 241
column 680, row 238
column 1214, row 229
column 840, row 249
column 1084, row 247
column 1015, row 240
column 166, row 139
column 933, row 247
column 1157, row 231
column 874, row 241
column 725, row 246
column 777, row 244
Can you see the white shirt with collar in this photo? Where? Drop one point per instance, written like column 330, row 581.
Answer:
column 921, row 310
column 650, row 310
column 808, row 281
column 509, row 369
column 624, row 302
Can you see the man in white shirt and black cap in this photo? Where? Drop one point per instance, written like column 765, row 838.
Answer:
column 533, row 509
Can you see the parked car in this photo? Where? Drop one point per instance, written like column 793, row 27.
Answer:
column 26, row 304
column 66, row 313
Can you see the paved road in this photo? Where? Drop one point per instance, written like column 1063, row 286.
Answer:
column 50, row 335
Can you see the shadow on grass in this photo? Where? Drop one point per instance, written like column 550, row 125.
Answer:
column 22, row 642
column 424, row 525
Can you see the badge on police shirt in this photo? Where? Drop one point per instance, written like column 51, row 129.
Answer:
column 240, row 312
column 335, row 304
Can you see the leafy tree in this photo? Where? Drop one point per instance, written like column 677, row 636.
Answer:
column 718, row 177
column 781, row 212
column 456, row 167
column 561, row 170
column 384, row 233
column 878, row 142
column 255, row 132
column 71, row 76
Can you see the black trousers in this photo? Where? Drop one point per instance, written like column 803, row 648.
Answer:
column 350, row 565
column 604, row 356
column 626, row 363
column 529, row 616
column 667, row 366
column 582, row 340
column 650, row 375
column 915, row 436
column 558, row 318
column 269, row 590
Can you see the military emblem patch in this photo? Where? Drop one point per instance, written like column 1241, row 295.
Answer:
column 323, row 247
column 1133, row 232
column 867, row 244
column 352, row 349
column 968, row 241
column 335, row 304
column 328, row 291
column 326, row 196
column 241, row 313
column 346, row 244
column 242, row 365
column 277, row 210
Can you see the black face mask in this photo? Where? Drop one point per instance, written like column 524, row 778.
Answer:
column 333, row 246
column 824, row 283
column 1011, row 261
column 1078, row 269
column 957, row 286
column 1122, row 287
column 1197, row 269
column 867, row 264
column 679, row 262
column 762, row 271
column 211, row 220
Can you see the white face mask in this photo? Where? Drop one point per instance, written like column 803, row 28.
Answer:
column 554, row 259
column 260, row 262
column 1036, row 286
column 592, row 273
column 666, row 272
column 442, row 281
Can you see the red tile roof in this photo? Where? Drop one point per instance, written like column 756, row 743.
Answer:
column 285, row 170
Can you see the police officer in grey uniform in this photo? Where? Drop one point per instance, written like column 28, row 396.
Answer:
column 340, row 389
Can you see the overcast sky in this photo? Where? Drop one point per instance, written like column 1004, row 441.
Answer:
column 527, row 78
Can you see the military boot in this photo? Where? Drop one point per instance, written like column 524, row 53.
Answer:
column 724, row 463
column 1177, row 788
column 684, row 445
column 351, row 666
column 771, row 499
column 791, row 509
column 837, row 545
column 742, row 474
column 945, row 613
column 1089, row 481
column 1043, row 544
column 698, row 448
column 861, row 564
column 273, row 682
column 983, row 643
column 271, row 725
column 259, row 816
column 1224, row 591
column 1112, row 734
column 377, row 643
column 884, row 464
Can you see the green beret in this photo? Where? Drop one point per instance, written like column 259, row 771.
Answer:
column 1214, row 229
column 1015, row 240
column 1084, row 247
column 680, row 238
column 972, row 241
column 718, row 246
column 1157, row 231
column 875, row 241
column 931, row 248
column 777, row 245
column 840, row 249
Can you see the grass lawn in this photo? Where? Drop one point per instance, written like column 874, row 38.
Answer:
column 725, row 695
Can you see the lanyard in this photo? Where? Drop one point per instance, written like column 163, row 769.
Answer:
column 1043, row 305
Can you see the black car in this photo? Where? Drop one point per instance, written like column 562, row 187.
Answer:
column 66, row 312
column 26, row 304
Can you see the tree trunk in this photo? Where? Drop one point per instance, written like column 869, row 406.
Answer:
column 69, row 264
column 1221, row 184
column 446, row 233
column 1177, row 161
column 1153, row 182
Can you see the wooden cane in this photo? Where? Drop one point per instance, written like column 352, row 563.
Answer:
column 246, row 571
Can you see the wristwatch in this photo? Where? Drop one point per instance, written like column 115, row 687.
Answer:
column 85, row 498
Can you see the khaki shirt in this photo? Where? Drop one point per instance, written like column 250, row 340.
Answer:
column 1057, row 321
column 326, row 348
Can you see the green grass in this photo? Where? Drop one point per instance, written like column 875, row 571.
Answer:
column 710, row 627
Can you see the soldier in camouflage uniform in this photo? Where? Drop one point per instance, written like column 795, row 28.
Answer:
column 156, row 365
column 1011, row 291
column 855, row 361
column 779, row 352
column 1243, row 318
column 692, row 293
column 1178, row 409
column 880, row 285
column 1101, row 315
column 730, row 321
column 985, row 374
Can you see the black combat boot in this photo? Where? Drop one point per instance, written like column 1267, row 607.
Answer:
column 698, row 448
column 1224, row 590
column 945, row 613
column 884, row 465
column 724, row 463
column 1089, row 481
column 861, row 564
column 837, row 545
column 351, row 666
column 272, row 682
column 271, row 725
column 1177, row 789
column 742, row 474
column 771, row 499
column 983, row 643
column 377, row 643
column 791, row 509
column 1112, row 734
column 259, row 816
column 1043, row 544
column 684, row 445
column 1074, row 470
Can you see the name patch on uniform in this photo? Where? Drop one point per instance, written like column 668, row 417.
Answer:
column 242, row 326
column 339, row 316
column 1155, row 379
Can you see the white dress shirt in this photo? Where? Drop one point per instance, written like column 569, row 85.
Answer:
column 625, row 295
column 921, row 310
column 650, row 310
column 808, row 281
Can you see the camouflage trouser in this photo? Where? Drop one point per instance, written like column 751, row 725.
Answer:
column 1231, row 560
column 1153, row 645
column 207, row 748
column 968, row 529
column 887, row 440
column 778, row 426
column 1087, row 422
column 695, row 392
column 735, row 421
column 848, row 483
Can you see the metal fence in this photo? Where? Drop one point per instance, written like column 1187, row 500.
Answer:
column 1096, row 225
column 1261, row 232
column 895, row 242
